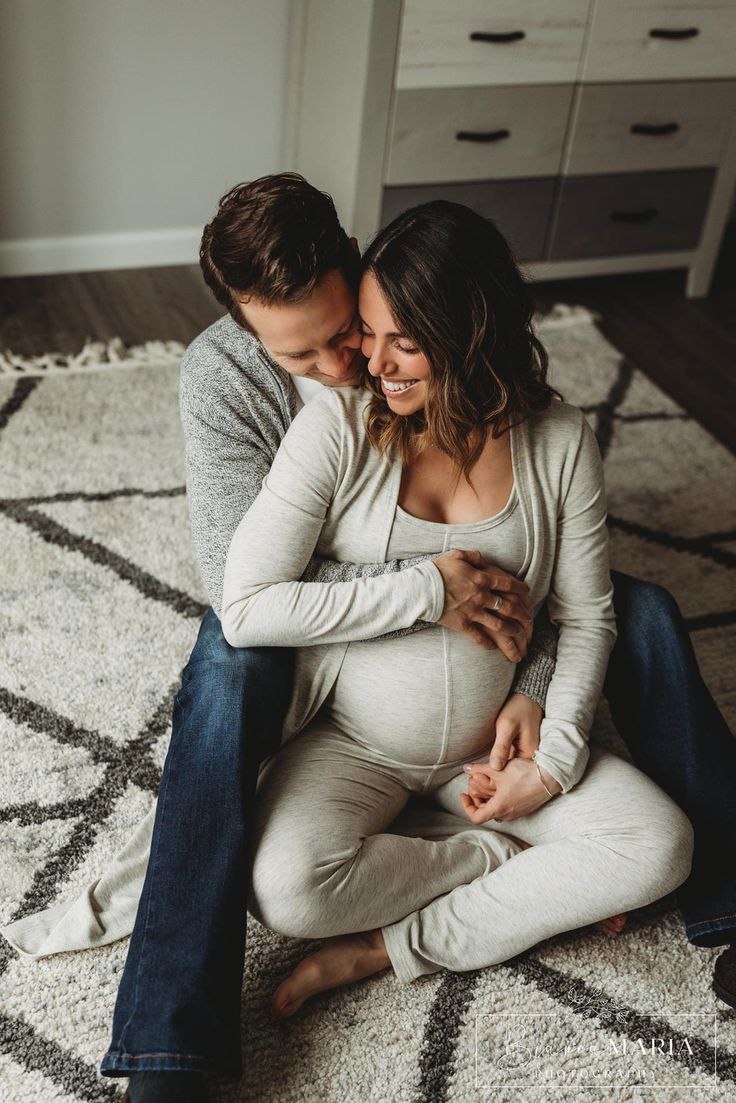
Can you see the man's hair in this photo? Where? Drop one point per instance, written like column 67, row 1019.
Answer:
column 274, row 239
column 453, row 286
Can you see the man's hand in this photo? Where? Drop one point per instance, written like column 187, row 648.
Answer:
column 471, row 592
column 517, row 791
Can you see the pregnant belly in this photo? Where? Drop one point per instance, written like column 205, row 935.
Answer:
column 422, row 699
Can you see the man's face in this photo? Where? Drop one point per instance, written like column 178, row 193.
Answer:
column 318, row 338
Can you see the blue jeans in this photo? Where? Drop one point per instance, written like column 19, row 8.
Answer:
column 178, row 1004
column 675, row 734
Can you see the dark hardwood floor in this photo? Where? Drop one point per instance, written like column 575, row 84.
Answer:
column 687, row 347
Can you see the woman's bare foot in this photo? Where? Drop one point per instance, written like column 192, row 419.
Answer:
column 612, row 926
column 342, row 960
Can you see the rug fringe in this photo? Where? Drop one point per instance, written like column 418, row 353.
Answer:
column 95, row 356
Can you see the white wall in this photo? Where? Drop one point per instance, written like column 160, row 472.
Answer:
column 123, row 121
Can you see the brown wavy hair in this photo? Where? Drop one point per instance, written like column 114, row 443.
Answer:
column 274, row 239
column 454, row 288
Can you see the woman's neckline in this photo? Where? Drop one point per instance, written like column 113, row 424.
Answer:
column 468, row 526
column 465, row 526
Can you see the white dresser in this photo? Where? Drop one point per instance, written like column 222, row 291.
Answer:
column 600, row 135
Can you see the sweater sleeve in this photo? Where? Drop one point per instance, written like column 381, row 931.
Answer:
column 534, row 672
column 580, row 603
column 263, row 602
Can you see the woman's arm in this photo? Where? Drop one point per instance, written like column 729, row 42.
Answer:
column 580, row 603
column 263, row 604
column 228, row 455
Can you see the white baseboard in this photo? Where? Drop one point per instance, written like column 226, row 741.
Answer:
column 98, row 252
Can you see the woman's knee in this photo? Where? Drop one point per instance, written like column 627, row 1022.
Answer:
column 293, row 891
column 675, row 846
column 632, row 817
column 663, row 844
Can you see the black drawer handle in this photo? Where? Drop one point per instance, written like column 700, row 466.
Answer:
column 663, row 32
column 655, row 131
column 482, row 136
column 634, row 216
column 498, row 36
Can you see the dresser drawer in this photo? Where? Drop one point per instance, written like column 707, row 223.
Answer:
column 520, row 208
column 661, row 40
column 641, row 127
column 446, row 134
column 648, row 212
column 467, row 42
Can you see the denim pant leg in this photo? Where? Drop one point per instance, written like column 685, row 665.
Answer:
column 676, row 735
column 178, row 1004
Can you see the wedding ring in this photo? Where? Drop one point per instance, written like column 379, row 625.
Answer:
column 497, row 604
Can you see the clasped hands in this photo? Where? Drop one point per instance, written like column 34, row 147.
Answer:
column 508, row 785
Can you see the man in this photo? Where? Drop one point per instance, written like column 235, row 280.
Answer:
column 276, row 257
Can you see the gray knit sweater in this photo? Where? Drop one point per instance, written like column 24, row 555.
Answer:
column 236, row 406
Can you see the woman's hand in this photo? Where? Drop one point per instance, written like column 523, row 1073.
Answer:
column 517, row 730
column 516, row 791
column 516, row 733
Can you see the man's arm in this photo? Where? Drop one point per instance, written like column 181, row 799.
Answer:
column 534, row 673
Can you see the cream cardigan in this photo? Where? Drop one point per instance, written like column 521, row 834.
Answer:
column 329, row 491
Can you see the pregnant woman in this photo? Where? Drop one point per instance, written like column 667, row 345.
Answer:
column 456, row 441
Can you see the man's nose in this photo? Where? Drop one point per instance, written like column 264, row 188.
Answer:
column 338, row 363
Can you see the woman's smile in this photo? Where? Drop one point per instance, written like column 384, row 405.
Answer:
column 397, row 386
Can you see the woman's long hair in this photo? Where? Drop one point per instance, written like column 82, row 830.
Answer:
column 454, row 289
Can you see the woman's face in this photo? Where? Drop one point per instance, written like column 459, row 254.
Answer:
column 400, row 366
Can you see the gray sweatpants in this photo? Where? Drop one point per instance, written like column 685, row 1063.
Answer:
column 337, row 850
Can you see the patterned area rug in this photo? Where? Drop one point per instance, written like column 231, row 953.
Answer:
column 100, row 609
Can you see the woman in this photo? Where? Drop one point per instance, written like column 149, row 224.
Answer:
column 457, row 441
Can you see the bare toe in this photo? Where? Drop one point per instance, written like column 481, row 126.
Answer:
column 612, row 926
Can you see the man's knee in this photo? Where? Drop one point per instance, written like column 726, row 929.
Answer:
column 228, row 692
column 251, row 662
column 643, row 609
column 651, row 632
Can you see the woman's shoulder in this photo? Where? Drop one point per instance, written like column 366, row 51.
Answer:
column 562, row 440
column 344, row 402
column 327, row 423
column 559, row 424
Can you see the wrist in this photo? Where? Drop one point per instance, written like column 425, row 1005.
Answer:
column 551, row 785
